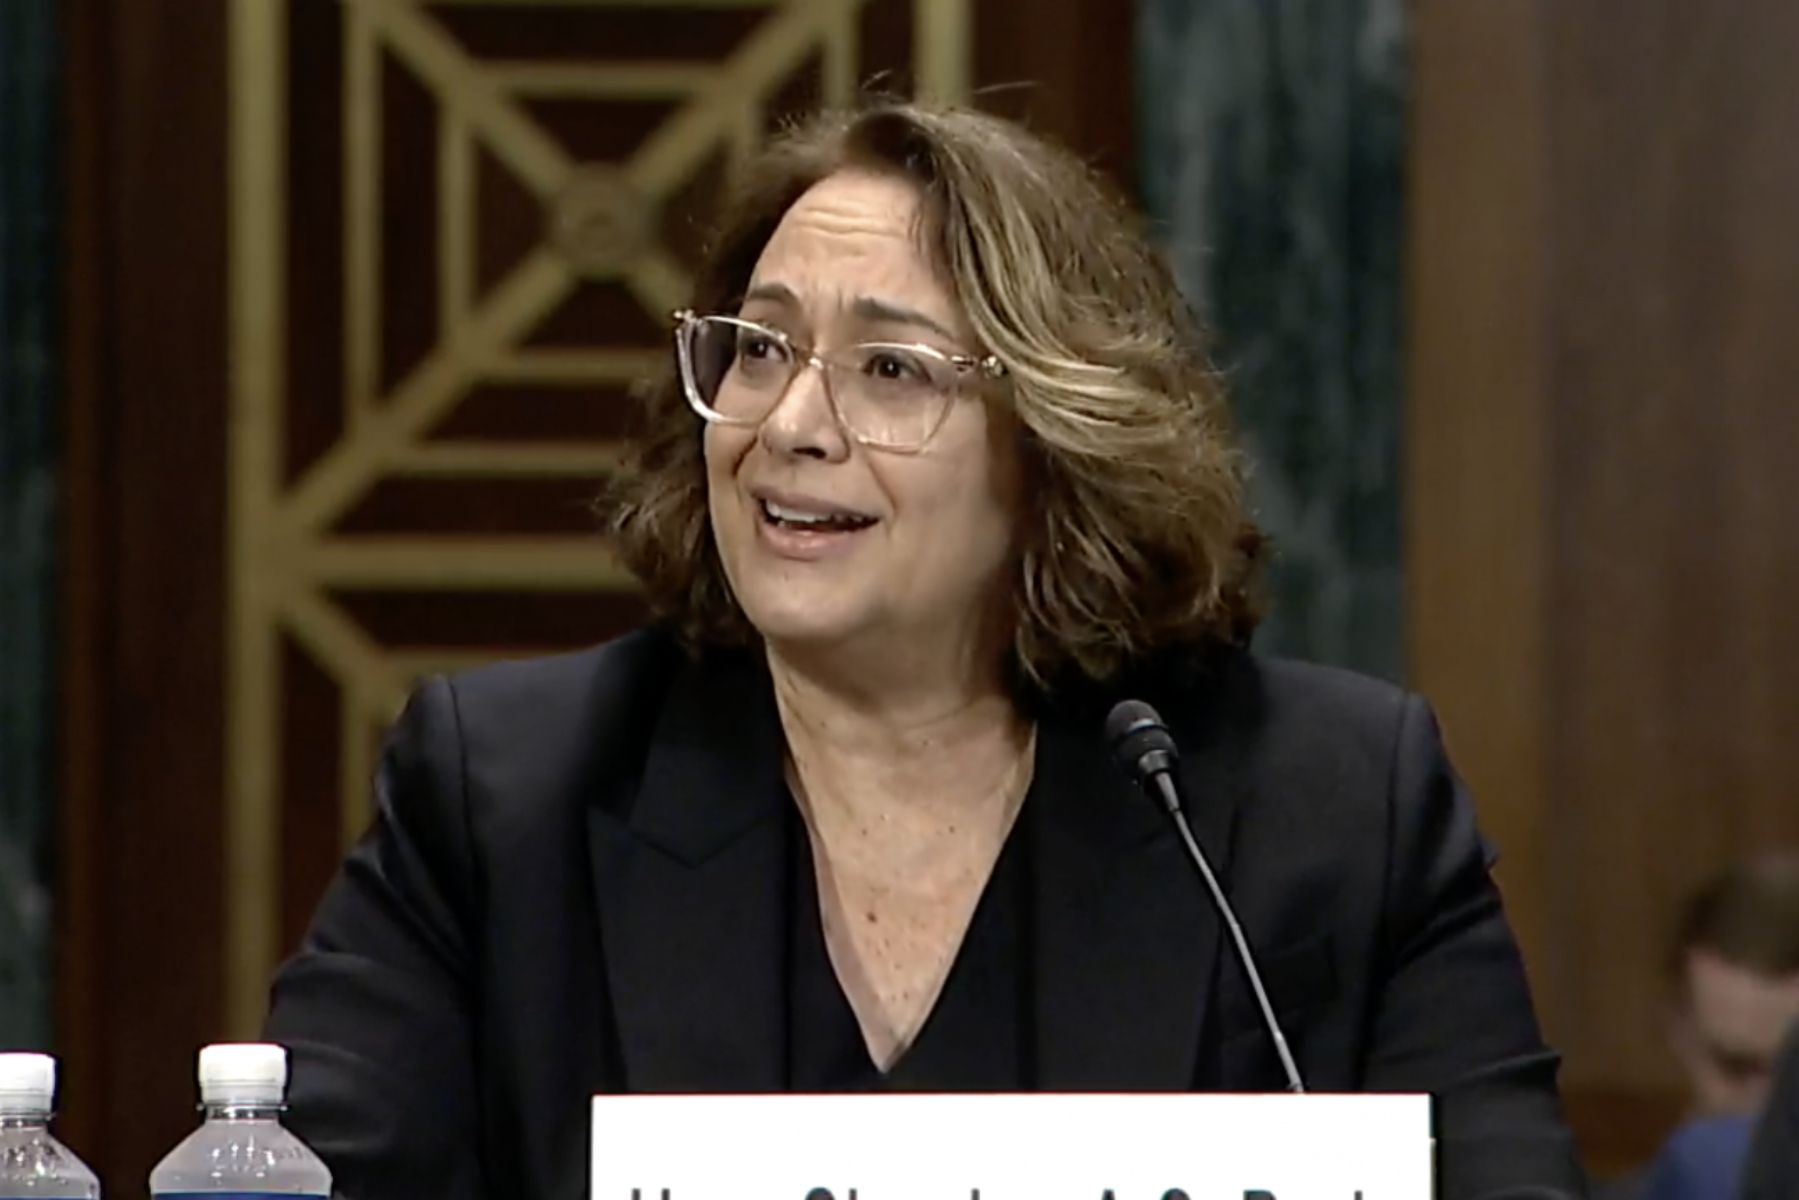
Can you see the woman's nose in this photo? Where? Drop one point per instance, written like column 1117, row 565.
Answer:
column 803, row 421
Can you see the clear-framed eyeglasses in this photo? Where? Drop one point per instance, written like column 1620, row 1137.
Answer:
column 890, row 395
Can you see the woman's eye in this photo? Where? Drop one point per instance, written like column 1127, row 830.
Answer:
column 894, row 368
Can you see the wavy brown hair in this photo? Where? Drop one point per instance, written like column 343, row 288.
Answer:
column 1136, row 541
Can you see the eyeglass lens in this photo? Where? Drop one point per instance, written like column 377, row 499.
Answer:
column 884, row 393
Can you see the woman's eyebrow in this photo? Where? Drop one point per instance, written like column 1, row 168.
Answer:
column 869, row 308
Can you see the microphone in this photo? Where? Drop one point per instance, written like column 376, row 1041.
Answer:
column 1145, row 750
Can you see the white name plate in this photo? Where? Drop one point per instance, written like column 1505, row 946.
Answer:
column 1012, row 1147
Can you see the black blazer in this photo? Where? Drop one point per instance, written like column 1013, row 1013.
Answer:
column 574, row 884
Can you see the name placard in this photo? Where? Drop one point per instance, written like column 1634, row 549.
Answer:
column 1012, row 1147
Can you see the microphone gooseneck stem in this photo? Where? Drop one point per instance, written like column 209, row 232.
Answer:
column 1170, row 797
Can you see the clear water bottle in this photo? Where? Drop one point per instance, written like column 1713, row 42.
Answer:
column 32, row 1163
column 241, row 1150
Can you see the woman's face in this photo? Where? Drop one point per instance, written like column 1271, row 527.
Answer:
column 914, row 562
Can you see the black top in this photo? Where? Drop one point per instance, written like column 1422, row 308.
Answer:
column 971, row 1040
column 577, row 881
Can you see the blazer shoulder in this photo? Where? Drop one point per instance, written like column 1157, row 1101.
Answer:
column 614, row 671
column 1383, row 740
column 1283, row 703
column 1338, row 697
column 559, row 729
column 1317, row 745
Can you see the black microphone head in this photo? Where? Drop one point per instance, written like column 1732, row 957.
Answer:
column 1139, row 740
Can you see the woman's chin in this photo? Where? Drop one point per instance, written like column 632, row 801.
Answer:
column 790, row 625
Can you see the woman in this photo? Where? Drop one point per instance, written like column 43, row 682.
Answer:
column 940, row 476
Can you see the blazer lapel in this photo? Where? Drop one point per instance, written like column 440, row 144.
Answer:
column 1126, row 938
column 692, row 885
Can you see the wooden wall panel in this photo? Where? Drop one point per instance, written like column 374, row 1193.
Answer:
column 1601, row 425
column 1066, row 69
column 1476, row 512
column 1678, row 560
column 140, row 899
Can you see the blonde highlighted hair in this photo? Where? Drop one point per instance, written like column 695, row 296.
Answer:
column 1137, row 542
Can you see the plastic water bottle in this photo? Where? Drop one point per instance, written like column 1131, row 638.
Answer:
column 241, row 1150
column 32, row 1163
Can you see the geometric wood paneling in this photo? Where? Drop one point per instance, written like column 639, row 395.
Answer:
column 153, row 191
column 457, row 229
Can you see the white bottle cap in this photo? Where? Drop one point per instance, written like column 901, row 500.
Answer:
column 244, row 1072
column 27, row 1082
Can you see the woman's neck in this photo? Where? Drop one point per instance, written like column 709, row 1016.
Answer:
column 928, row 744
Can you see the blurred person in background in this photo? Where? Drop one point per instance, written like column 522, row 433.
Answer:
column 1735, row 971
